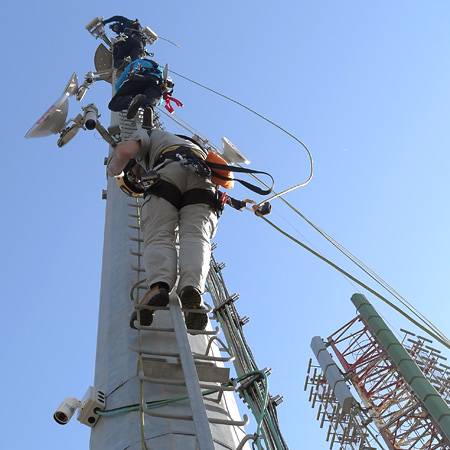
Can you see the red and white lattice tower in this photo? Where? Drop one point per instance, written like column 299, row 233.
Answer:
column 403, row 390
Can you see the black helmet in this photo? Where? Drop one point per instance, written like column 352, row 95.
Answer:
column 117, row 27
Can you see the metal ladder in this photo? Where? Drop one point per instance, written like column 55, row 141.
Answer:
column 190, row 370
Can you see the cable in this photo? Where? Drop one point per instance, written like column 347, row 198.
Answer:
column 263, row 410
column 432, row 330
column 371, row 273
column 154, row 404
column 167, row 40
column 364, row 268
column 436, row 333
column 267, row 120
column 443, row 340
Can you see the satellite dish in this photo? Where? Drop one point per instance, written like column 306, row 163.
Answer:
column 232, row 154
column 67, row 135
column 103, row 60
column 54, row 119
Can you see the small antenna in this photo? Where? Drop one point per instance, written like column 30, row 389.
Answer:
column 164, row 39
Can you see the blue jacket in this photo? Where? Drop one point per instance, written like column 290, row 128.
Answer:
column 150, row 67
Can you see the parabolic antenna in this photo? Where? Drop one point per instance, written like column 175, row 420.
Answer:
column 102, row 59
column 232, row 154
column 54, row 119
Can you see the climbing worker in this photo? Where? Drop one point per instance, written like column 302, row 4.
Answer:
column 141, row 84
column 180, row 198
column 129, row 42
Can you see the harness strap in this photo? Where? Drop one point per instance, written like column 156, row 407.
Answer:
column 172, row 194
column 195, row 196
column 228, row 168
column 173, row 151
column 168, row 105
column 167, row 191
column 248, row 185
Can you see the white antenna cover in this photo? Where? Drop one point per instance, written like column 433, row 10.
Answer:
column 54, row 119
column 151, row 36
column 232, row 154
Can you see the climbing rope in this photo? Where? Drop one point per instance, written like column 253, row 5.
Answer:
column 440, row 337
column 268, row 121
column 428, row 326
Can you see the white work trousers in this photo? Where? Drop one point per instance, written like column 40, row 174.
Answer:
column 197, row 225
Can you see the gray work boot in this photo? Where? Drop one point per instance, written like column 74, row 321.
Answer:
column 191, row 299
column 157, row 296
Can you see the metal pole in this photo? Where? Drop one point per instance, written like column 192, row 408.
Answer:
column 116, row 366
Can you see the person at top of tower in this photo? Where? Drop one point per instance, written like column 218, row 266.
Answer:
column 130, row 41
column 122, row 24
column 141, row 84
column 180, row 199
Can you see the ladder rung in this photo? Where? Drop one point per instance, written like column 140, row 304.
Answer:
column 151, row 328
column 165, row 415
column 152, row 307
column 195, row 311
column 214, row 332
column 159, row 368
column 165, row 381
column 238, row 423
column 177, row 355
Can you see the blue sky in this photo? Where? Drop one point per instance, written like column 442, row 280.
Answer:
column 365, row 85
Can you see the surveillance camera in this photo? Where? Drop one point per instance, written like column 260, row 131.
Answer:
column 91, row 116
column 66, row 410
column 91, row 120
column 92, row 401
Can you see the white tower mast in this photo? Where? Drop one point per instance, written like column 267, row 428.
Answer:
column 155, row 365
column 161, row 387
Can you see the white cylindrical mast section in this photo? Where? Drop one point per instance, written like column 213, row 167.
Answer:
column 116, row 367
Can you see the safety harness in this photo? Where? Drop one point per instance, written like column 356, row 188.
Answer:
column 187, row 156
column 166, row 84
column 152, row 184
column 212, row 165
